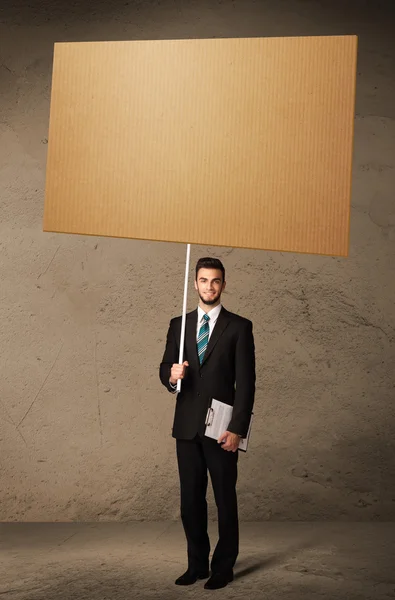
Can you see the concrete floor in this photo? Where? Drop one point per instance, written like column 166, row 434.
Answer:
column 141, row 560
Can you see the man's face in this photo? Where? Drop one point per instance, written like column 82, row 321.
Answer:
column 209, row 286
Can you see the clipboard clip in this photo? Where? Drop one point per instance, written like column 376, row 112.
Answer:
column 210, row 413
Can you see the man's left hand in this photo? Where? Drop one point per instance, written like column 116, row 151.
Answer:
column 232, row 441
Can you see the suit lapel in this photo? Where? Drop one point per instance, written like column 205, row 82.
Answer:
column 190, row 339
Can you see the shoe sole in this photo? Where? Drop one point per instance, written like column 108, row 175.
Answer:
column 192, row 582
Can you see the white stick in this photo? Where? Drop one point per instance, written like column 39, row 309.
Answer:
column 184, row 312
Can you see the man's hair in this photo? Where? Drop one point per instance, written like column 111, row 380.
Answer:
column 210, row 263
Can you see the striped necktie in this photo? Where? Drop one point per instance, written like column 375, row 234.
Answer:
column 202, row 340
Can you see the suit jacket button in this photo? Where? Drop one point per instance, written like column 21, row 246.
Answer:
column 198, row 394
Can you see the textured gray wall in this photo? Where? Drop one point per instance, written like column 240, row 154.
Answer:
column 84, row 422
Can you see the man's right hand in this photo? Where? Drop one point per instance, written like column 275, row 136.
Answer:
column 178, row 372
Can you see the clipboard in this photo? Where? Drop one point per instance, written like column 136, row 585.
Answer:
column 218, row 418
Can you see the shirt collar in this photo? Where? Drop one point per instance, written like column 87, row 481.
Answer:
column 213, row 313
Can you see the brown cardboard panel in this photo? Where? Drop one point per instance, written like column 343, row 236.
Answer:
column 242, row 142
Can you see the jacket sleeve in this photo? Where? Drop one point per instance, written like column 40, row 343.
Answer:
column 245, row 381
column 170, row 356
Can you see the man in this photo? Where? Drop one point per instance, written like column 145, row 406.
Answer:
column 219, row 363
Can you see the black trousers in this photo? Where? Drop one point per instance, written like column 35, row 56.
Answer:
column 194, row 458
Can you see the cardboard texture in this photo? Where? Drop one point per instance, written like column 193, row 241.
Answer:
column 241, row 142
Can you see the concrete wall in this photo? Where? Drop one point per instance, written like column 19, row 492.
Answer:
column 84, row 421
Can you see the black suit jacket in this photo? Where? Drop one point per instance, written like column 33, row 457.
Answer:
column 226, row 374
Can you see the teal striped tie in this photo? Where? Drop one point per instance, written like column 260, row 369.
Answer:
column 202, row 340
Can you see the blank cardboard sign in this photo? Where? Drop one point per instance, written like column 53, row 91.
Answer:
column 227, row 142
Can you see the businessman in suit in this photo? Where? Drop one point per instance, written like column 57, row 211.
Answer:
column 219, row 363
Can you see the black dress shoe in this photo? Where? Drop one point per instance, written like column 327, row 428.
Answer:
column 218, row 580
column 190, row 577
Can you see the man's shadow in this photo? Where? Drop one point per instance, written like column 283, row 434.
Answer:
column 269, row 561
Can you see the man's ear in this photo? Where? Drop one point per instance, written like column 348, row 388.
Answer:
column 196, row 287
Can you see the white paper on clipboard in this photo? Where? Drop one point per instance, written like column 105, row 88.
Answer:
column 217, row 420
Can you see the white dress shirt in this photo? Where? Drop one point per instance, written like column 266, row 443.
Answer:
column 213, row 314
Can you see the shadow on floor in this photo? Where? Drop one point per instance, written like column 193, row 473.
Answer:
column 270, row 561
